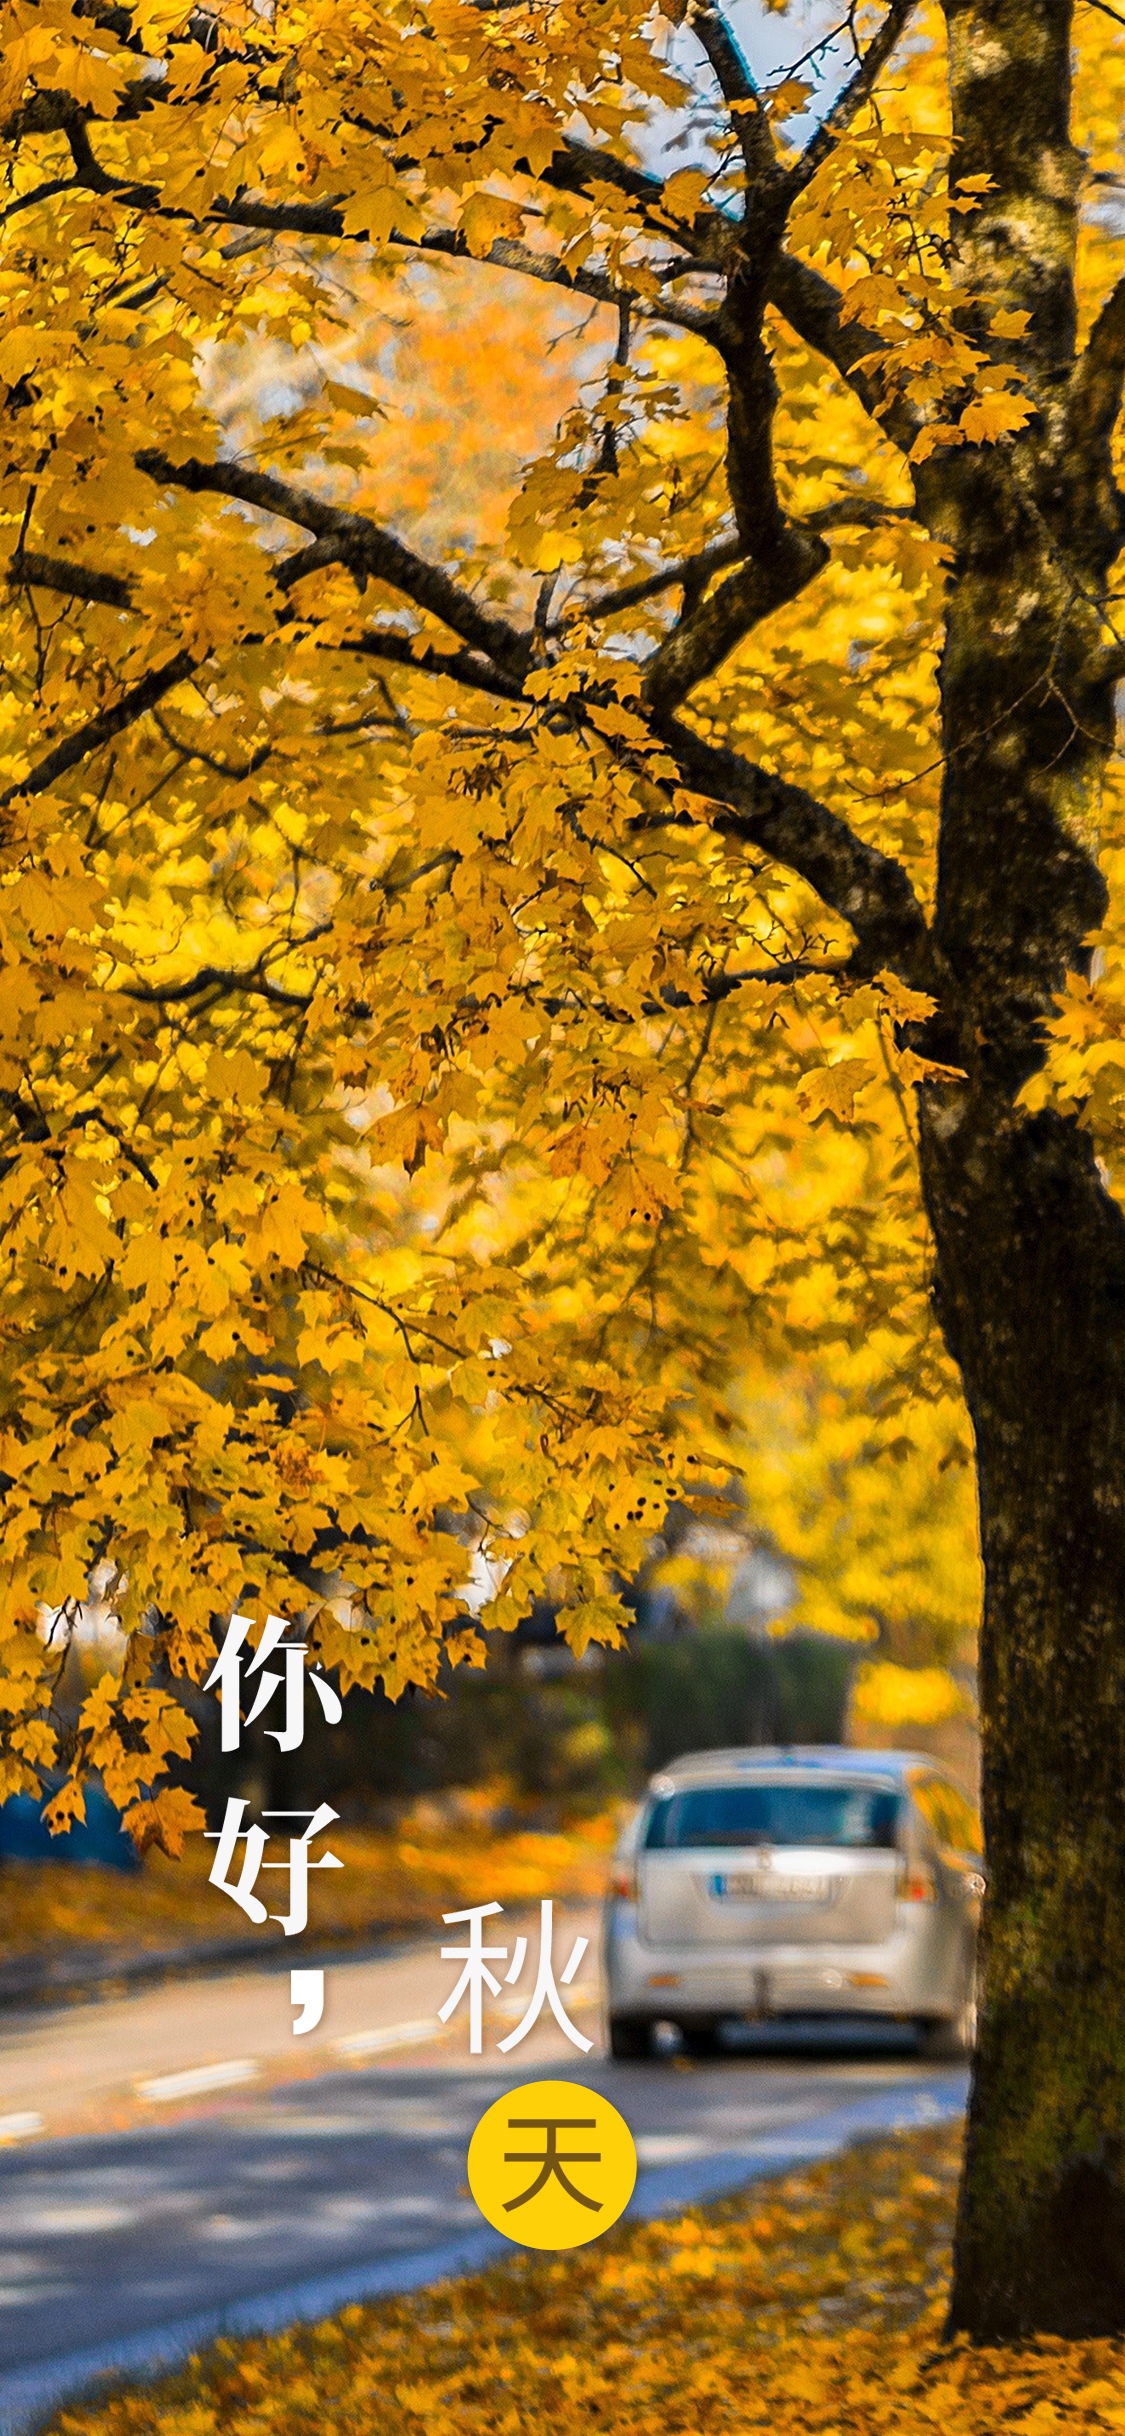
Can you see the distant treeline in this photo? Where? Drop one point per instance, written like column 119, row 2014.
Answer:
column 560, row 1736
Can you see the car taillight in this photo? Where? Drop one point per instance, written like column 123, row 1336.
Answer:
column 915, row 1883
column 623, row 1882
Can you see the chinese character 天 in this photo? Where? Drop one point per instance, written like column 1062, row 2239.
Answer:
column 550, row 2159
column 552, row 2165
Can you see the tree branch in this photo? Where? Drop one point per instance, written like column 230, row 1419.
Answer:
column 738, row 89
column 55, row 112
column 690, row 571
column 237, row 771
column 712, row 990
column 1097, row 378
column 97, row 1116
column 99, row 731
column 39, row 194
column 858, row 89
column 506, row 254
column 695, row 573
column 215, row 977
column 812, row 307
column 697, row 646
column 31, row 1124
column 870, row 890
column 720, row 986
column 728, row 63
column 462, row 666
column 853, row 511
column 27, row 567
column 325, row 219
column 255, row 980
column 571, row 170
column 352, row 541
column 575, row 166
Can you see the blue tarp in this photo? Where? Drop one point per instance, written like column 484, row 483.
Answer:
column 101, row 1839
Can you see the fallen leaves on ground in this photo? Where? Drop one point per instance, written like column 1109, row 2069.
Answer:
column 811, row 2306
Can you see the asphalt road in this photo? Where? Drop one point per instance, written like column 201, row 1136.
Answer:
column 107, row 2236
column 310, row 2184
column 111, row 2065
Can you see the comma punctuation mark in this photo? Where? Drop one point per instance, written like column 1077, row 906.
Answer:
column 306, row 1989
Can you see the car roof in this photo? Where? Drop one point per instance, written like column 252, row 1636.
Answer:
column 808, row 1760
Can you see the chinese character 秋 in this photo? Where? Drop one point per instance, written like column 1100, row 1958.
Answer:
column 476, row 1976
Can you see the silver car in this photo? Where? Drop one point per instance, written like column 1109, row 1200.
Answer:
column 761, row 1885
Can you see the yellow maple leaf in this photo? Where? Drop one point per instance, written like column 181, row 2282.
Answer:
column 832, row 1090
column 164, row 1820
column 992, row 416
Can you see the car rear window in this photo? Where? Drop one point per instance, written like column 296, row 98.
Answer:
column 862, row 1817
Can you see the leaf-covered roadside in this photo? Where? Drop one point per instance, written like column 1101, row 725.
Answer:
column 810, row 2304
column 402, row 1880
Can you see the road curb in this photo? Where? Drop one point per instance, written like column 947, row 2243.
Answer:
column 43, row 1983
column 29, row 2395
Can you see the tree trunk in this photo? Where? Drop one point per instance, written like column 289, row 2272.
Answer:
column 1030, row 1248
column 1032, row 1294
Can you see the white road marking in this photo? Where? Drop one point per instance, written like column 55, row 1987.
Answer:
column 671, row 2148
column 241, row 2228
column 203, row 2076
column 39, row 2216
column 20, row 2127
column 401, row 2034
column 23, row 2296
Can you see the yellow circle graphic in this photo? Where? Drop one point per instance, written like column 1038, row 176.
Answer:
column 552, row 2165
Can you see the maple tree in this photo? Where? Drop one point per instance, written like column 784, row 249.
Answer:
column 484, row 966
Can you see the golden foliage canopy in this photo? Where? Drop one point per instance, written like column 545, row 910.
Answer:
column 466, row 843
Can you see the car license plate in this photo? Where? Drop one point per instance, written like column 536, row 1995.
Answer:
column 769, row 1886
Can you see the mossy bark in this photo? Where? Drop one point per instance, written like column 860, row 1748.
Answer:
column 1030, row 1247
column 1032, row 1284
